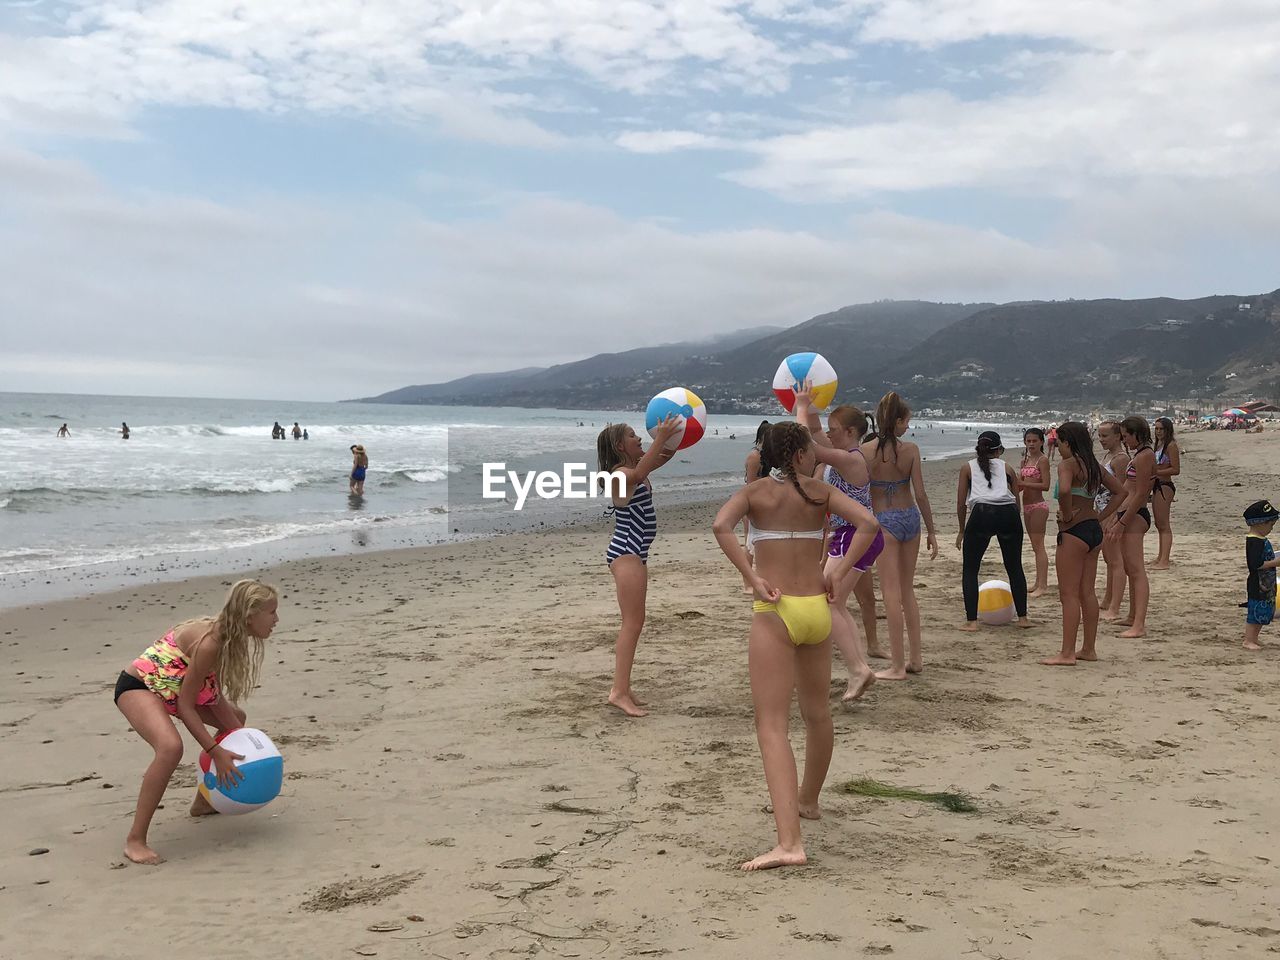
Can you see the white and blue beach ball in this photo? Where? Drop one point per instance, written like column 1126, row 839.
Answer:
column 262, row 770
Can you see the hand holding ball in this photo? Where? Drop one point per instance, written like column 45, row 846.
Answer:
column 261, row 773
column 684, row 404
column 800, row 367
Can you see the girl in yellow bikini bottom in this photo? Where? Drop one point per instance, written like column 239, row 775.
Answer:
column 807, row 619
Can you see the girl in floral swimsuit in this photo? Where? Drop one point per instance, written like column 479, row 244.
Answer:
column 224, row 654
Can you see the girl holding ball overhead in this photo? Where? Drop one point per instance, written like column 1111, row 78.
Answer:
column 197, row 672
column 635, row 525
column 847, row 471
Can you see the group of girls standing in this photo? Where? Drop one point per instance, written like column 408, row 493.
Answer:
column 1101, row 510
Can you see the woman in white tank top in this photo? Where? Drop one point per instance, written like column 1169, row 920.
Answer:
column 985, row 493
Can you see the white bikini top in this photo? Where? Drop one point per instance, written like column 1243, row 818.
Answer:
column 756, row 533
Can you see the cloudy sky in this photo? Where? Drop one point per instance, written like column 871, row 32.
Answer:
column 333, row 198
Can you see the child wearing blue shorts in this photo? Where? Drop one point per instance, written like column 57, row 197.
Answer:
column 1261, row 516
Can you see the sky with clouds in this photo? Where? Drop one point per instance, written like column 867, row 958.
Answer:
column 335, row 198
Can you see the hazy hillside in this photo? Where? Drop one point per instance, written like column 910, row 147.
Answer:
column 1089, row 350
column 539, row 386
column 732, row 372
column 1081, row 353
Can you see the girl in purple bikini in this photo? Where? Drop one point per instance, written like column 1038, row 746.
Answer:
column 847, row 471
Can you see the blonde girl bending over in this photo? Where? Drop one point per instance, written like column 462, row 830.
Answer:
column 198, row 672
column 895, row 474
column 790, row 648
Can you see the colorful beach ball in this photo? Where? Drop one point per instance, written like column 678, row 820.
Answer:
column 683, row 403
column 796, row 369
column 262, row 769
column 995, row 603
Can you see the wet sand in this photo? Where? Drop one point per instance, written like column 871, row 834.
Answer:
column 450, row 757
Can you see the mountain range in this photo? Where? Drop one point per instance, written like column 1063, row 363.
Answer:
column 1079, row 353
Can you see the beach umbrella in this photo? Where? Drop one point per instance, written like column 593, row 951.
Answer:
column 1235, row 412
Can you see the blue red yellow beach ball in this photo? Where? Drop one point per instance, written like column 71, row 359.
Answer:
column 686, row 405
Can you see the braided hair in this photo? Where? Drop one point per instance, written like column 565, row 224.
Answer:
column 781, row 444
column 988, row 447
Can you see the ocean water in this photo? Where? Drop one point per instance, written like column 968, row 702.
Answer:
column 200, row 486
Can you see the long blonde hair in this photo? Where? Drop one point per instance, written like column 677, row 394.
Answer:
column 238, row 660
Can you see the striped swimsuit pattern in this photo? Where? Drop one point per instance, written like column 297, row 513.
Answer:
column 634, row 526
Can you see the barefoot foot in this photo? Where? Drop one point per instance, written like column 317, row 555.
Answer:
column 1158, row 565
column 627, row 704
column 139, row 852
column 877, row 653
column 1133, row 634
column 810, row 811
column 970, row 626
column 1024, row 623
column 915, row 668
column 1109, row 615
column 1037, row 592
column 1252, row 645
column 200, row 807
column 858, row 687
column 1059, row 661
column 1090, row 655
column 777, row 857
column 891, row 674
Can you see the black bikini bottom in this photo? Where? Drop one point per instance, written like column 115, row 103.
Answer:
column 127, row 682
column 1143, row 512
column 1088, row 532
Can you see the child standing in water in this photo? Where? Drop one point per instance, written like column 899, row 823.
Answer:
column 198, row 671
column 635, row 525
column 791, row 622
column 359, row 468
column 1260, row 556
column 895, row 473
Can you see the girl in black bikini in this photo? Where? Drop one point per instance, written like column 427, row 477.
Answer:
column 1114, row 461
column 1133, row 520
column 1080, row 479
column 1168, row 466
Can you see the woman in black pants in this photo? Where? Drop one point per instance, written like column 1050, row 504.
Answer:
column 986, row 493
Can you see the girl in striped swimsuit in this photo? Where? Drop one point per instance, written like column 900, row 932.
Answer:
column 635, row 525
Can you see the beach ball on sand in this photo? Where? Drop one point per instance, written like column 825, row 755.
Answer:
column 686, row 405
column 995, row 603
column 805, row 366
column 262, row 769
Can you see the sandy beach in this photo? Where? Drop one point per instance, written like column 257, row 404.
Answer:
column 456, row 786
